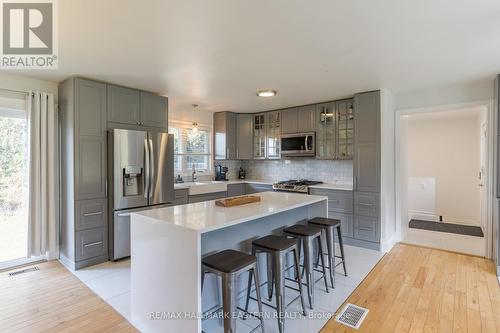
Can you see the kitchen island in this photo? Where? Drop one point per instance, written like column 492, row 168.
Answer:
column 167, row 245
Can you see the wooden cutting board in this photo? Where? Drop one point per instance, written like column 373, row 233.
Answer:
column 237, row 201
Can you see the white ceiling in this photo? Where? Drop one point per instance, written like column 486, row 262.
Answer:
column 218, row 53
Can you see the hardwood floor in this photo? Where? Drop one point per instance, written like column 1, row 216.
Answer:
column 54, row 300
column 415, row 289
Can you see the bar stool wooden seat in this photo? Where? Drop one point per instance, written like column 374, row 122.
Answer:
column 329, row 225
column 229, row 265
column 276, row 249
column 306, row 235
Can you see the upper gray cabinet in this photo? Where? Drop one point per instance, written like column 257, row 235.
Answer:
column 273, row 135
column 298, row 120
column 244, row 135
column 225, row 135
column 289, row 121
column 259, row 136
column 345, row 129
column 326, row 123
column 306, row 116
column 124, row 105
column 134, row 107
column 367, row 142
column 154, row 110
column 90, row 141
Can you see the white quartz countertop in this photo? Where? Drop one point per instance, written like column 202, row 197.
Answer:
column 227, row 182
column 206, row 216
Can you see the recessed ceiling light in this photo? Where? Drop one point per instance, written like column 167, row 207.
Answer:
column 266, row 93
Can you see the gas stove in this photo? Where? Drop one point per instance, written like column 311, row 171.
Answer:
column 300, row 185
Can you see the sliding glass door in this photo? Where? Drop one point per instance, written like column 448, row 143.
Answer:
column 13, row 181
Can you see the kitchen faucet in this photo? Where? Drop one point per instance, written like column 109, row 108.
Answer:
column 193, row 175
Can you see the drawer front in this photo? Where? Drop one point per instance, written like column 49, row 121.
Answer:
column 206, row 197
column 91, row 243
column 256, row 188
column 367, row 228
column 181, row 197
column 346, row 226
column 338, row 201
column 91, row 214
column 235, row 190
column 367, row 204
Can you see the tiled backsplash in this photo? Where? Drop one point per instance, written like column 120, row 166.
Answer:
column 339, row 172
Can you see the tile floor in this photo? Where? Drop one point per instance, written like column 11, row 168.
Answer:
column 111, row 281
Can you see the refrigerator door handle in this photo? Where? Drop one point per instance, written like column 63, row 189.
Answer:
column 146, row 169
column 151, row 167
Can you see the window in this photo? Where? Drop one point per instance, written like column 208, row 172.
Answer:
column 191, row 147
column 13, row 181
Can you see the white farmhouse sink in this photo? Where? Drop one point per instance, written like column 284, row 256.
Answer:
column 203, row 187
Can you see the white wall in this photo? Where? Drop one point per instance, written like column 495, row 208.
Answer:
column 198, row 115
column 448, row 149
column 24, row 83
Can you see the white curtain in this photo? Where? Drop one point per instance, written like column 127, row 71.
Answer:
column 43, row 175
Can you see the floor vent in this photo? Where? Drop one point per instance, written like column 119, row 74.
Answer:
column 352, row 315
column 26, row 270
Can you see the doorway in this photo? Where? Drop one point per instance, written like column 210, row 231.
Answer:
column 443, row 165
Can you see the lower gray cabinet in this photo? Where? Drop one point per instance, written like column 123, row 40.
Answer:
column 91, row 214
column 207, row 197
column 181, row 197
column 367, row 228
column 339, row 207
column 256, row 188
column 346, row 226
column 234, row 190
column 91, row 243
column 367, row 204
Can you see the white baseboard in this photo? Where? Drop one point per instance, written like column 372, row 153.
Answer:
column 422, row 215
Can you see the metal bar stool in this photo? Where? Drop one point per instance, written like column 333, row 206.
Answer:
column 329, row 225
column 306, row 235
column 276, row 249
column 229, row 265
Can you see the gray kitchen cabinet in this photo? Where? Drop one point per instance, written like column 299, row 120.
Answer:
column 138, row 108
column 224, row 135
column 306, row 118
column 367, row 142
column 346, row 223
column 207, row 196
column 298, row 120
column 154, row 110
column 124, row 105
column 367, row 228
column 259, row 136
column 181, row 197
column 273, row 135
column 326, row 130
column 251, row 188
column 234, row 190
column 367, row 166
column 84, row 219
column 244, row 136
column 345, row 129
column 340, row 206
column 289, row 121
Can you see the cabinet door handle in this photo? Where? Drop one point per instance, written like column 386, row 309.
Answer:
column 92, row 214
column 92, row 244
column 366, row 204
column 123, row 214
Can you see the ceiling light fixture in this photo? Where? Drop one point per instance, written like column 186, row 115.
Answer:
column 195, row 127
column 266, row 93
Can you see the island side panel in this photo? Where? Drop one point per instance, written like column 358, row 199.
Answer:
column 240, row 237
column 165, row 275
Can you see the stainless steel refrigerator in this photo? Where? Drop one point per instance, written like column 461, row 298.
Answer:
column 141, row 176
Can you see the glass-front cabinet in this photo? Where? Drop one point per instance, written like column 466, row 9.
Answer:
column 259, row 136
column 273, row 135
column 326, row 122
column 345, row 129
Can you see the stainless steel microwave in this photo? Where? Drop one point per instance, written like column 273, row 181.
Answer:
column 300, row 144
